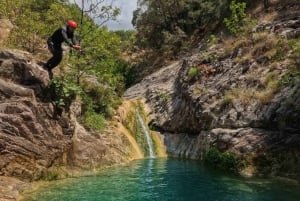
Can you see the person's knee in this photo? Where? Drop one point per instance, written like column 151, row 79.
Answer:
column 58, row 55
column 56, row 60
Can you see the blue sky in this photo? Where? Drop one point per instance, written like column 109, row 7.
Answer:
column 124, row 19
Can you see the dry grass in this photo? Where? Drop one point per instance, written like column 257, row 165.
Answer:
column 243, row 95
column 198, row 91
column 250, row 95
column 263, row 43
column 245, row 59
column 269, row 78
column 233, row 44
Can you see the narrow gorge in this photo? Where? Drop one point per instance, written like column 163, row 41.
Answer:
column 232, row 103
column 37, row 144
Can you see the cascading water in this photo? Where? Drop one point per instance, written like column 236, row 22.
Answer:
column 147, row 134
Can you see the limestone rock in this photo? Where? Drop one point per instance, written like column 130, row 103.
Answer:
column 31, row 140
column 219, row 107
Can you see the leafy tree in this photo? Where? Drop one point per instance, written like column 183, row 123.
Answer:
column 96, row 11
column 158, row 23
column 11, row 9
column 238, row 15
column 34, row 20
column 26, row 34
column 94, row 75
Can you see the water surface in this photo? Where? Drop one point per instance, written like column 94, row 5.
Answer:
column 165, row 180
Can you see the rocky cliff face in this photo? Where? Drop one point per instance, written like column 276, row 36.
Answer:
column 35, row 143
column 30, row 139
column 234, row 102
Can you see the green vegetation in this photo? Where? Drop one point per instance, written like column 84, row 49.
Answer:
column 166, row 24
column 238, row 22
column 225, row 161
column 61, row 93
column 193, row 72
column 98, row 76
column 95, row 76
column 290, row 77
column 94, row 121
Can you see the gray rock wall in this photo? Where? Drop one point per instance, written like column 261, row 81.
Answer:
column 31, row 140
column 230, row 105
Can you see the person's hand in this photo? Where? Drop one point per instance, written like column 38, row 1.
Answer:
column 77, row 47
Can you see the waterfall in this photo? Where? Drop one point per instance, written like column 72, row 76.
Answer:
column 147, row 134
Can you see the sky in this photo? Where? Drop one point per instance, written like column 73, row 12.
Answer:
column 124, row 19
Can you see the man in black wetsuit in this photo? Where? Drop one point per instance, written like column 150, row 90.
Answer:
column 63, row 34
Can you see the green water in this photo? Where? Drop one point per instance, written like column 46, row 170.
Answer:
column 165, row 180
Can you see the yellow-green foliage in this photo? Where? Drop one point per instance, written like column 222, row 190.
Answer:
column 35, row 20
column 60, row 92
column 159, row 147
column 239, row 22
column 193, row 72
column 94, row 121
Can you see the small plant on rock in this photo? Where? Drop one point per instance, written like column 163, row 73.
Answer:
column 193, row 72
column 225, row 160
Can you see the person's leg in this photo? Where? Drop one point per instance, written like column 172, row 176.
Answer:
column 54, row 60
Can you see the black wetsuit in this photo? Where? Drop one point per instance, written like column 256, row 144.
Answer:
column 54, row 44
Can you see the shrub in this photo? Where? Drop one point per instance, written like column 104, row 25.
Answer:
column 193, row 72
column 238, row 22
column 290, row 77
column 94, row 121
column 98, row 98
column 61, row 92
column 225, row 161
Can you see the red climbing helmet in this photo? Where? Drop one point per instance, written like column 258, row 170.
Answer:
column 72, row 23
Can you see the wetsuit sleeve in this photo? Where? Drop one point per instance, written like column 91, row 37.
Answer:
column 65, row 36
column 74, row 40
